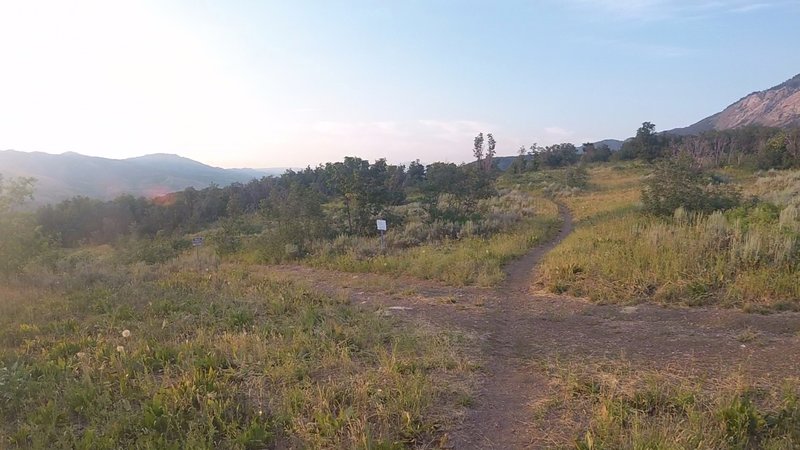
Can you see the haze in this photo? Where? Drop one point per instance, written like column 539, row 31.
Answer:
column 268, row 84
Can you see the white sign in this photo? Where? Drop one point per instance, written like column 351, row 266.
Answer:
column 381, row 225
column 197, row 241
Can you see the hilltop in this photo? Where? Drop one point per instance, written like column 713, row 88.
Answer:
column 69, row 174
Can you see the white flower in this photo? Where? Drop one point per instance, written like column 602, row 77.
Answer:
column 80, row 354
column 120, row 348
column 126, row 333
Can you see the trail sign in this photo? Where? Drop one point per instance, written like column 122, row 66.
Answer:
column 197, row 241
column 382, row 228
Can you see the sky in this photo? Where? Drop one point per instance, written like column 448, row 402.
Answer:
column 293, row 83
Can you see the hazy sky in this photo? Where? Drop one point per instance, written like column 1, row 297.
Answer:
column 292, row 82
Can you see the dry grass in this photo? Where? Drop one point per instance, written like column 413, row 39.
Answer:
column 616, row 404
column 746, row 258
column 183, row 358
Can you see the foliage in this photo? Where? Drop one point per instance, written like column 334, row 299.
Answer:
column 456, row 253
column 576, row 176
column 593, row 153
column 646, row 145
column 296, row 217
column 675, row 183
column 451, row 193
column 14, row 192
column 20, row 238
column 753, row 147
column 558, row 155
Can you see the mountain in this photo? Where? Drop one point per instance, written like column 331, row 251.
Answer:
column 70, row 174
column 778, row 106
column 613, row 144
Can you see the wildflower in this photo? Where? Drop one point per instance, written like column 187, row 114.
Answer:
column 126, row 333
column 80, row 354
column 120, row 348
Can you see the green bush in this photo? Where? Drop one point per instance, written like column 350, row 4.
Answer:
column 675, row 183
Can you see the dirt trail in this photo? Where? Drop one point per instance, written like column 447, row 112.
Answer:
column 518, row 328
column 501, row 419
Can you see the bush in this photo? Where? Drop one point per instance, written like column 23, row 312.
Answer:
column 675, row 183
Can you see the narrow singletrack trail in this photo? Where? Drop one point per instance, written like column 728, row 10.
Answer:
column 501, row 418
column 518, row 329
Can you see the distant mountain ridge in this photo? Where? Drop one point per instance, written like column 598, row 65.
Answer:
column 778, row 106
column 69, row 174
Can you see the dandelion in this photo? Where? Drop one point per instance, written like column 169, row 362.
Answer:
column 126, row 333
column 120, row 349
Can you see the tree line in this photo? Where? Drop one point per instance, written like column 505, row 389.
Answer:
column 752, row 147
column 335, row 198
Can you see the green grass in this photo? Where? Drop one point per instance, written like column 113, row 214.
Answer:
column 619, row 405
column 747, row 258
column 216, row 360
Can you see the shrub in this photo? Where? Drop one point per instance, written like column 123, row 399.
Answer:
column 675, row 183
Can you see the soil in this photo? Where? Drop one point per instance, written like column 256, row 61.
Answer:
column 518, row 327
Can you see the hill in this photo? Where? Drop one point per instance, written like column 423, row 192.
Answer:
column 70, row 174
column 778, row 106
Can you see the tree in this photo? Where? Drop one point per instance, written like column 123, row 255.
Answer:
column 490, row 152
column 534, row 153
column 595, row 153
column 477, row 149
column 518, row 166
column 415, row 174
column 558, row 155
column 646, row 145
column 15, row 192
column 20, row 239
column 451, row 192
column 296, row 215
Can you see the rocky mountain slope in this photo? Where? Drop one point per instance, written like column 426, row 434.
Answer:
column 778, row 106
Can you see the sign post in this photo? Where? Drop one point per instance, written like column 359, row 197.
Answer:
column 382, row 228
column 197, row 242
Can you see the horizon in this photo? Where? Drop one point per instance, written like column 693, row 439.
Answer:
column 251, row 85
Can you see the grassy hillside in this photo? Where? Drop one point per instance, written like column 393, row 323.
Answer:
column 747, row 257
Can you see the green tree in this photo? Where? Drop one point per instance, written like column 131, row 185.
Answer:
column 646, row 145
column 296, row 219
column 20, row 239
column 14, row 192
column 490, row 152
column 518, row 166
